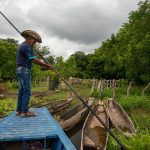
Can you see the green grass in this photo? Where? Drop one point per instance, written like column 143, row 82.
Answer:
column 139, row 142
column 141, row 119
column 132, row 102
column 53, row 96
column 7, row 106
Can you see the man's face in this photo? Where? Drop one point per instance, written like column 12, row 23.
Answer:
column 32, row 41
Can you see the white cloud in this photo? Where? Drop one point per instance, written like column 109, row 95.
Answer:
column 66, row 26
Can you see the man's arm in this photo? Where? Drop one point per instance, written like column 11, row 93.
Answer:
column 39, row 62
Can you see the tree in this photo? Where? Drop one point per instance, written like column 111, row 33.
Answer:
column 81, row 62
column 138, row 50
column 126, row 54
column 8, row 58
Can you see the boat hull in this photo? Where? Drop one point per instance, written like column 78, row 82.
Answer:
column 94, row 135
column 57, row 106
column 74, row 116
column 120, row 119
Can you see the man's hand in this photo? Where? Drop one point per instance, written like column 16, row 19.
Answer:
column 39, row 62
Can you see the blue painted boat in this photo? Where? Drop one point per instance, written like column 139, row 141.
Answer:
column 40, row 132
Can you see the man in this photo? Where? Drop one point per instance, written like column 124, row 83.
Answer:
column 24, row 59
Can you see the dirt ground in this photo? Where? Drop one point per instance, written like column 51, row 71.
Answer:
column 4, row 94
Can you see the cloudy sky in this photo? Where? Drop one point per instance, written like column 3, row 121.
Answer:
column 66, row 26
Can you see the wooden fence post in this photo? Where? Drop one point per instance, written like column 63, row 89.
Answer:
column 145, row 88
column 99, row 85
column 129, row 87
column 113, row 88
column 93, row 86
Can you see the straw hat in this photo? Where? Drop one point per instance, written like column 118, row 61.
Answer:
column 33, row 34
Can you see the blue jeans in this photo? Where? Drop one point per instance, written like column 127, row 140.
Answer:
column 24, row 93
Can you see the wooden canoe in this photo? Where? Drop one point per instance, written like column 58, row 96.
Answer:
column 120, row 119
column 71, row 118
column 56, row 106
column 94, row 136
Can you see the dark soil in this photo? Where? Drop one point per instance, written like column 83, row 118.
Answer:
column 7, row 94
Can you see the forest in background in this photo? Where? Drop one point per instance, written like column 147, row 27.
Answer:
column 125, row 55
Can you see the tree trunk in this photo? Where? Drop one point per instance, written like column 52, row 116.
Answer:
column 52, row 85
